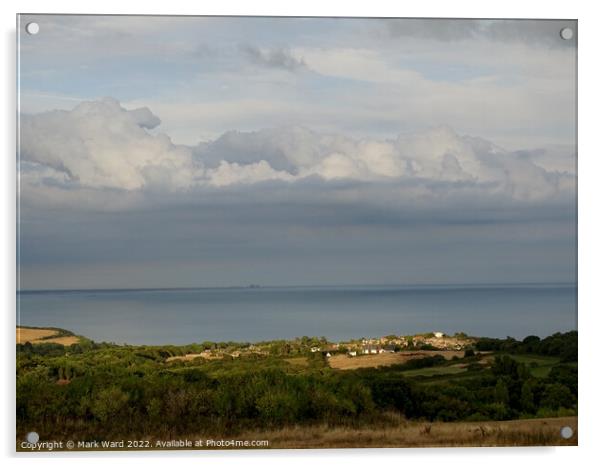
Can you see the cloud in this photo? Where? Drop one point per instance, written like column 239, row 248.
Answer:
column 497, row 79
column 144, row 118
column 351, row 180
column 438, row 155
column 432, row 28
column 357, row 63
column 533, row 32
column 232, row 173
column 100, row 147
column 554, row 158
column 273, row 58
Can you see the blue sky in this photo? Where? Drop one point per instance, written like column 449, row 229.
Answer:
column 183, row 151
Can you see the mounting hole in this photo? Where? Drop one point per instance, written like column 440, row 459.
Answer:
column 566, row 33
column 32, row 28
column 33, row 437
column 566, row 432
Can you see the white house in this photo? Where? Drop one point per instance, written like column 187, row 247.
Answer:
column 352, row 353
column 438, row 334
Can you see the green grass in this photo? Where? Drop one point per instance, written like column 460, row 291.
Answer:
column 443, row 379
column 543, row 363
column 431, row 371
column 527, row 358
column 300, row 361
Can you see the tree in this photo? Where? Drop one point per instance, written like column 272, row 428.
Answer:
column 556, row 396
column 531, row 343
column 505, row 365
column 527, row 401
column 564, row 375
column 108, row 402
column 501, row 392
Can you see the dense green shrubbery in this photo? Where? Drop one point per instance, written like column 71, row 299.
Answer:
column 563, row 345
column 107, row 391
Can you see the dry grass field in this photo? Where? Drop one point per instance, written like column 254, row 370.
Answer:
column 528, row 432
column 403, row 434
column 191, row 356
column 25, row 334
column 344, row 362
column 43, row 335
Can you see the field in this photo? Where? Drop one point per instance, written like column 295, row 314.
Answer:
column 404, row 434
column 421, row 434
column 344, row 362
column 430, row 371
column 539, row 366
column 44, row 335
column 190, row 357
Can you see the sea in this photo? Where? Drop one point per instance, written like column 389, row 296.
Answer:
column 181, row 316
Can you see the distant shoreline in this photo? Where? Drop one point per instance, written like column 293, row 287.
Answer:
column 372, row 341
column 283, row 287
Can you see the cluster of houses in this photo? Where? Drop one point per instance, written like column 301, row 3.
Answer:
column 331, row 347
column 444, row 342
column 389, row 344
column 365, row 346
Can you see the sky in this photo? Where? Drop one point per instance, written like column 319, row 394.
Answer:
column 213, row 151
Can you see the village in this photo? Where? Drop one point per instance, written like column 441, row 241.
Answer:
column 426, row 342
column 393, row 343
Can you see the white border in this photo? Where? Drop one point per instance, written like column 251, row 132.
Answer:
column 590, row 234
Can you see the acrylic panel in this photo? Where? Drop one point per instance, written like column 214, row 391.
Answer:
column 277, row 232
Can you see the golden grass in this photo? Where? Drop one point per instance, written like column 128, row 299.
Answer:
column 401, row 434
column 529, row 432
column 191, row 356
column 43, row 335
column 30, row 335
column 344, row 362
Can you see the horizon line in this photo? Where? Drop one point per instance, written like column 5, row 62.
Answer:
column 253, row 286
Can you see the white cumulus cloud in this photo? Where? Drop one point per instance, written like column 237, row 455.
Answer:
column 100, row 146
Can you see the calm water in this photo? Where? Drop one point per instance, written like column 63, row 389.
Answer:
column 192, row 315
